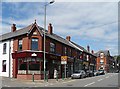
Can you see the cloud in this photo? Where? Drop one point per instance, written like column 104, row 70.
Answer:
column 92, row 22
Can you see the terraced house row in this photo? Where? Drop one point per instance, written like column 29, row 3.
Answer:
column 21, row 53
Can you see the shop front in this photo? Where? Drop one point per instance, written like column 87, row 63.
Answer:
column 25, row 64
column 67, row 64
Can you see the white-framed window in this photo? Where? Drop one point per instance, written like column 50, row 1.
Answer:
column 52, row 47
column 101, row 61
column 4, row 66
column 65, row 50
column 20, row 44
column 101, row 55
column 34, row 44
column 4, row 48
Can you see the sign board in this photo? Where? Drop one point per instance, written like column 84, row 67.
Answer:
column 63, row 62
column 34, row 55
column 64, row 58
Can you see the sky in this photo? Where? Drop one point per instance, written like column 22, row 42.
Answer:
column 88, row 23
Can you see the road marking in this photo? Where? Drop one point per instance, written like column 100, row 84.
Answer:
column 51, row 84
column 100, row 79
column 69, row 81
column 107, row 77
column 89, row 84
column 6, row 85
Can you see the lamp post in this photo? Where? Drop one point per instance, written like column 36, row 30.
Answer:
column 44, row 36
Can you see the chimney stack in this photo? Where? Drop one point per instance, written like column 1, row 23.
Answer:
column 13, row 28
column 68, row 38
column 92, row 52
column 50, row 28
column 88, row 48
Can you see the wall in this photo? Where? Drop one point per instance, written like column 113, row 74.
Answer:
column 5, row 57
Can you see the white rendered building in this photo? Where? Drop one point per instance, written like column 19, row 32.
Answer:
column 6, row 47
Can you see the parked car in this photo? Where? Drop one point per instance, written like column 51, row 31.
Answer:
column 89, row 73
column 117, row 71
column 101, row 72
column 78, row 74
column 96, row 73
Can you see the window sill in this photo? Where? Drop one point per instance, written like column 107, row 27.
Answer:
column 3, row 71
column 4, row 53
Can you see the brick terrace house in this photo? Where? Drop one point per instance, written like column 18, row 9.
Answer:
column 27, row 53
column 104, row 61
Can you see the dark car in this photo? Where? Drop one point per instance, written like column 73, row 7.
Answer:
column 117, row 71
column 96, row 73
column 89, row 73
column 101, row 72
column 78, row 74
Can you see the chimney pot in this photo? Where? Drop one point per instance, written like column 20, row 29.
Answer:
column 68, row 38
column 13, row 28
column 92, row 52
column 50, row 28
column 88, row 48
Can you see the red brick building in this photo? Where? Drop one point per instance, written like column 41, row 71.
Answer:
column 28, row 53
column 104, row 61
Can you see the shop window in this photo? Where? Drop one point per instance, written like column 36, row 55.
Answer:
column 4, row 66
column 52, row 47
column 4, row 48
column 34, row 44
column 34, row 66
column 22, row 64
column 20, row 44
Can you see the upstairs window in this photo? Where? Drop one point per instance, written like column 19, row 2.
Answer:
column 4, row 48
column 20, row 45
column 70, row 53
column 52, row 47
column 4, row 66
column 65, row 51
column 34, row 44
column 101, row 61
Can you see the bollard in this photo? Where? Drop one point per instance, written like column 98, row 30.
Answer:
column 62, row 76
column 57, row 77
column 33, row 77
column 47, row 77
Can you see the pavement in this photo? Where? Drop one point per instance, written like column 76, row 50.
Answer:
column 13, row 82
column 107, row 80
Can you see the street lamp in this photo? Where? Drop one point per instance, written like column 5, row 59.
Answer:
column 44, row 36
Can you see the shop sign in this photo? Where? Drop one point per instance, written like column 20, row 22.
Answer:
column 63, row 62
column 34, row 55
column 64, row 58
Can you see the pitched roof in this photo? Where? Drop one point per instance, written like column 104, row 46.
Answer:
column 16, row 33
column 27, row 30
column 106, row 52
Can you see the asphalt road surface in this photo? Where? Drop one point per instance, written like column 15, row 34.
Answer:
column 107, row 80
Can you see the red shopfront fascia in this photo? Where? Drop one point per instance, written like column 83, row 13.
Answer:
column 26, row 54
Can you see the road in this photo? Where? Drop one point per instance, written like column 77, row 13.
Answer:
column 107, row 80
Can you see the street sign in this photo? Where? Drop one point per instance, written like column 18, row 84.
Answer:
column 64, row 58
column 63, row 62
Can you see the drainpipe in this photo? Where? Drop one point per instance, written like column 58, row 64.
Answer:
column 9, row 57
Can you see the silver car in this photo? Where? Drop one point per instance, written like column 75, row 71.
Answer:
column 78, row 74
